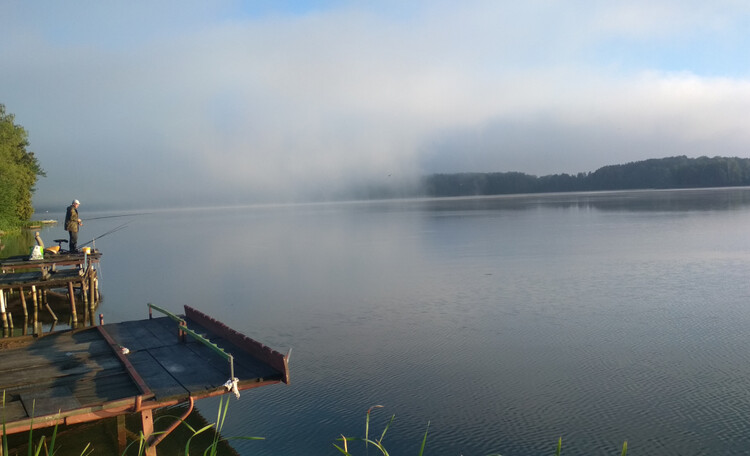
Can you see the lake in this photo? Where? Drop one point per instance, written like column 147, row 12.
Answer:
column 503, row 322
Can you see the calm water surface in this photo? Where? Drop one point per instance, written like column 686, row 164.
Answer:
column 503, row 322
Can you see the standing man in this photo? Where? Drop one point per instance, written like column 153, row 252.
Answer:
column 72, row 222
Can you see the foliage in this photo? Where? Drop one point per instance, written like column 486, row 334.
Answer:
column 660, row 173
column 19, row 170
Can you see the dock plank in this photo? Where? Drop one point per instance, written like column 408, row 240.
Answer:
column 12, row 361
column 134, row 337
column 88, row 367
column 245, row 366
column 14, row 410
column 86, row 392
column 48, row 401
column 193, row 373
column 159, row 380
column 245, row 363
column 106, row 387
column 61, row 341
column 163, row 327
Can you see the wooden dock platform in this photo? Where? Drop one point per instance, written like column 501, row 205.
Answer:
column 136, row 366
column 32, row 279
column 49, row 262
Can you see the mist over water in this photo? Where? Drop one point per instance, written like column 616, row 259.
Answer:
column 504, row 322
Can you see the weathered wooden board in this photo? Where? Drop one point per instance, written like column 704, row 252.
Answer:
column 162, row 384
column 137, row 336
column 193, row 373
column 87, row 368
column 13, row 410
column 245, row 366
column 81, row 373
column 60, row 277
column 49, row 401
column 105, row 387
column 22, row 262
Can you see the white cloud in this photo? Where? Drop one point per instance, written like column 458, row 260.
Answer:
column 204, row 102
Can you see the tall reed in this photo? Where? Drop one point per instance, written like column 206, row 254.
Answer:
column 379, row 442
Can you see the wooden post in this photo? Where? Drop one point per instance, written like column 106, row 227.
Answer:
column 180, row 331
column 10, row 322
column 51, row 312
column 122, row 440
column 4, row 315
column 47, row 306
column 92, row 298
column 147, row 421
column 36, row 309
column 23, row 304
column 25, row 313
column 85, row 297
column 73, row 315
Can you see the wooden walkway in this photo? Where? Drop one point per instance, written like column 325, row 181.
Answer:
column 50, row 262
column 32, row 279
column 83, row 375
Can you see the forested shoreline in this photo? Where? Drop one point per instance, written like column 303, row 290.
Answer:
column 658, row 173
column 19, row 170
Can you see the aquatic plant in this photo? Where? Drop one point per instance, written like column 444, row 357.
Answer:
column 140, row 444
column 42, row 444
column 47, row 448
column 212, row 450
column 379, row 442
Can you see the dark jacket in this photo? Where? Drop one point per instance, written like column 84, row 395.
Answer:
column 71, row 219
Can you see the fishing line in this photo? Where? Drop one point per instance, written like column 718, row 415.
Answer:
column 113, row 216
column 113, row 230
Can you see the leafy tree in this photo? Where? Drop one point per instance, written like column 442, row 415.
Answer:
column 19, row 170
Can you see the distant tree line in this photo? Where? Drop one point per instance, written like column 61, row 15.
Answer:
column 19, row 170
column 658, row 173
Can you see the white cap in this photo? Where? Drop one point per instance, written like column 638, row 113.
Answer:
column 76, row 202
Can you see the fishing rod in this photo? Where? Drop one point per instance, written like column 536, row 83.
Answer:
column 113, row 230
column 114, row 216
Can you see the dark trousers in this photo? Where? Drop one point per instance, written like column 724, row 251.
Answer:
column 73, row 245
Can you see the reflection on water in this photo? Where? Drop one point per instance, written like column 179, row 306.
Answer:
column 631, row 200
column 505, row 322
column 17, row 244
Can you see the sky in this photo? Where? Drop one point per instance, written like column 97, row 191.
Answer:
column 162, row 103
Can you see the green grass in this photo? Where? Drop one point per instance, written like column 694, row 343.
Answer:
column 47, row 445
column 378, row 443
column 194, row 441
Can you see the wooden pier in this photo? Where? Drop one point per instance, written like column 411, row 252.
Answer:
column 115, row 369
column 50, row 262
column 32, row 279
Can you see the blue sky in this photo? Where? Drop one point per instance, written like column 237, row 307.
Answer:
column 191, row 102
